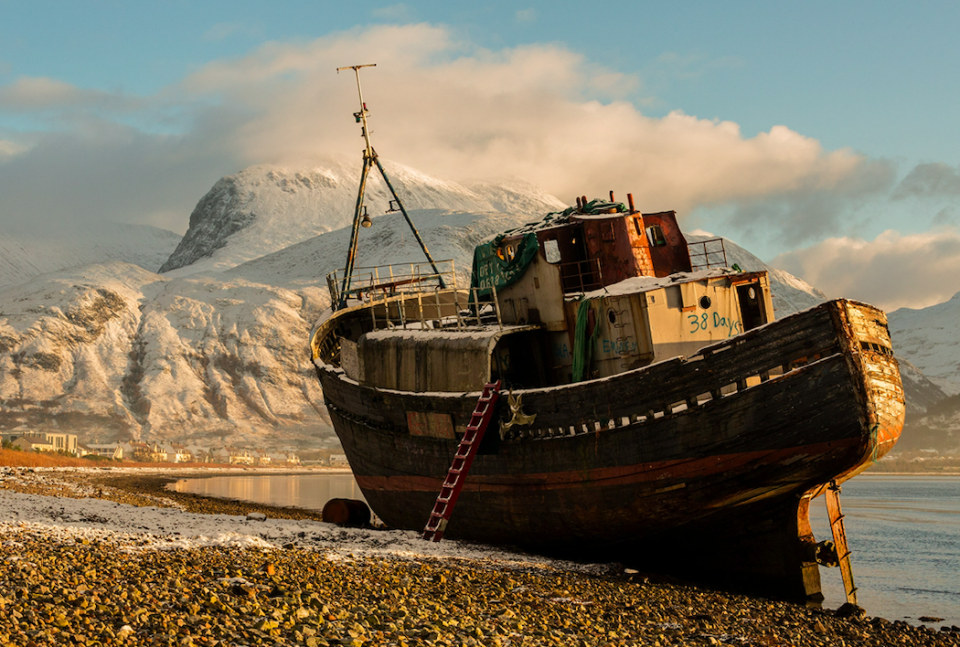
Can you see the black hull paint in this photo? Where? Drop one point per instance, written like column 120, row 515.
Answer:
column 615, row 469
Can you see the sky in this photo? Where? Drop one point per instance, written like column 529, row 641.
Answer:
column 819, row 135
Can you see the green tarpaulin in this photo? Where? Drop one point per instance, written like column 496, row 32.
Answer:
column 491, row 271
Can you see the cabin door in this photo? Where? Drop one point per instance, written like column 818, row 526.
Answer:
column 750, row 297
column 576, row 270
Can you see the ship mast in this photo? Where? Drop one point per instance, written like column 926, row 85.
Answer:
column 360, row 217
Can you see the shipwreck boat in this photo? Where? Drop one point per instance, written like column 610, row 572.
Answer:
column 656, row 413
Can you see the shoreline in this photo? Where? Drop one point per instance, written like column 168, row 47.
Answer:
column 149, row 566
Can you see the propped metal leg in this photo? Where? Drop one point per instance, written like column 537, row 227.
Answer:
column 832, row 496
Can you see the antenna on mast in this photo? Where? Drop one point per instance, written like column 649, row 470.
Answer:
column 359, row 217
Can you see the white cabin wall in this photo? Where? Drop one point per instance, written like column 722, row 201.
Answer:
column 682, row 326
column 540, row 286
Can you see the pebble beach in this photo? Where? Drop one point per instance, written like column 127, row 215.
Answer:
column 109, row 557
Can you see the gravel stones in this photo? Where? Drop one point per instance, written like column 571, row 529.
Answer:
column 63, row 589
column 102, row 593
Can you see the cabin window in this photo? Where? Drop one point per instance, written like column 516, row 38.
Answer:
column 607, row 232
column 551, row 249
column 636, row 225
column 655, row 236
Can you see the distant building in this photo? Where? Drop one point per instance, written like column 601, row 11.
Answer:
column 41, row 441
column 176, row 454
column 107, row 450
column 284, row 458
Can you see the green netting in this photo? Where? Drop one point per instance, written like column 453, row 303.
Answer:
column 491, row 271
column 592, row 208
column 582, row 345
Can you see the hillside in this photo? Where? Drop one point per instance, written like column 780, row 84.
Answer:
column 928, row 338
column 26, row 253
column 216, row 350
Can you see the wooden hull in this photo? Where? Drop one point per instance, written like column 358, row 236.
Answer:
column 701, row 467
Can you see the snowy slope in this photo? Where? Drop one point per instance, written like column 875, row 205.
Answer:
column 448, row 236
column 264, row 209
column 28, row 253
column 929, row 339
column 113, row 350
column 217, row 348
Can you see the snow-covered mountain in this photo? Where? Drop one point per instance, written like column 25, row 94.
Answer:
column 211, row 350
column 112, row 350
column 25, row 253
column 929, row 338
column 264, row 209
column 217, row 348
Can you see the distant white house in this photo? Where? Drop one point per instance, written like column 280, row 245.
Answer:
column 174, row 453
column 42, row 441
column 284, row 458
column 107, row 450
column 232, row 455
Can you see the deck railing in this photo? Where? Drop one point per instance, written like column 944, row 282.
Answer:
column 707, row 254
column 439, row 309
column 410, row 296
column 375, row 283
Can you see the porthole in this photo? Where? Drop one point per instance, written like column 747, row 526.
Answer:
column 705, row 302
column 752, row 294
column 612, row 316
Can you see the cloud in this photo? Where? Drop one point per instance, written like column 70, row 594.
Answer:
column 891, row 271
column 28, row 95
column 525, row 16
column 438, row 103
column 934, row 179
column 399, row 12
column 541, row 112
column 8, row 149
column 821, row 204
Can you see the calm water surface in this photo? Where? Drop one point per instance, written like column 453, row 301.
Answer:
column 309, row 491
column 904, row 532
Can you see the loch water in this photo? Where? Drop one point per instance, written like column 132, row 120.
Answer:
column 903, row 531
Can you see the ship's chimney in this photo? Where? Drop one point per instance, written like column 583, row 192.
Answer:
column 611, row 197
column 630, row 202
column 579, row 205
column 584, row 198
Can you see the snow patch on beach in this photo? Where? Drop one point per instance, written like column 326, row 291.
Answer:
column 152, row 528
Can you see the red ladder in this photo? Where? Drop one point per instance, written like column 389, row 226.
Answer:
column 462, row 460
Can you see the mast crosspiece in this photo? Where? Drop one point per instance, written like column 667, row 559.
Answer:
column 370, row 159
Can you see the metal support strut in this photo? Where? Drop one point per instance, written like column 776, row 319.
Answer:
column 832, row 496
column 369, row 159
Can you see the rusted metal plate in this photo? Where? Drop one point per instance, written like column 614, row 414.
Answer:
column 433, row 425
